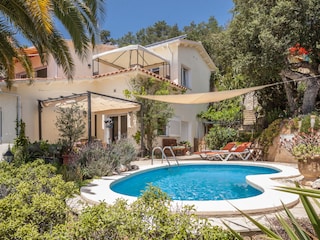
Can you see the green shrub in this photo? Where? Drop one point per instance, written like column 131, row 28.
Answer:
column 95, row 160
column 316, row 126
column 37, row 150
column 268, row 134
column 21, row 143
column 32, row 200
column 124, row 151
column 137, row 137
column 306, row 124
column 149, row 217
column 70, row 122
column 273, row 115
column 219, row 136
column 294, row 124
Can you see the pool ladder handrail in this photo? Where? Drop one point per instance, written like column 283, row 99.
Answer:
column 172, row 153
column 163, row 155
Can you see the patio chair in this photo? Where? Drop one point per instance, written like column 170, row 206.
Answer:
column 256, row 153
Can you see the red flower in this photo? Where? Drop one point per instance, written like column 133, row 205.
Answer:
column 298, row 50
column 302, row 51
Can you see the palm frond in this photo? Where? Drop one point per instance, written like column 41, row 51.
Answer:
column 312, row 214
column 40, row 14
column 289, row 230
column 304, row 194
column 313, row 193
column 301, row 233
column 35, row 20
column 236, row 234
column 9, row 53
column 262, row 227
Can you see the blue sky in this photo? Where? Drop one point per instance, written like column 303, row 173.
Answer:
column 123, row 16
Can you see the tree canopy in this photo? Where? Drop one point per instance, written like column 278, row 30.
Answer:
column 265, row 42
column 160, row 31
column 257, row 44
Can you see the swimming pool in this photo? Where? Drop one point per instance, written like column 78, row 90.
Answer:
column 199, row 182
column 99, row 190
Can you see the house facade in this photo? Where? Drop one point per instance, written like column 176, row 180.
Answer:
column 99, row 83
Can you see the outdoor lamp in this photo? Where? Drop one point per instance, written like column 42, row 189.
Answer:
column 108, row 123
column 8, row 156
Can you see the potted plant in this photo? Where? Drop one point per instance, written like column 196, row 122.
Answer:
column 70, row 123
column 187, row 146
column 305, row 147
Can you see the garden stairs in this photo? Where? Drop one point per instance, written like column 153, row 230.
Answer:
column 249, row 118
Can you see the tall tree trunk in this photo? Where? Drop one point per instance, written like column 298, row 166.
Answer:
column 310, row 95
column 312, row 87
column 288, row 86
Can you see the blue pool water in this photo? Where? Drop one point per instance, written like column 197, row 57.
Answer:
column 195, row 182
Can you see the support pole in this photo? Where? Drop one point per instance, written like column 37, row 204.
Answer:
column 40, row 119
column 142, row 130
column 89, row 117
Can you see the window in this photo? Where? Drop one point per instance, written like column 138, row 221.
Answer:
column 23, row 75
column 173, row 128
column 155, row 70
column 185, row 81
column 124, row 125
column 41, row 73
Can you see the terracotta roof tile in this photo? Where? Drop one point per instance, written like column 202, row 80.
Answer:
column 143, row 70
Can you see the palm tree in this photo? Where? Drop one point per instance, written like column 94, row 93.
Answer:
column 36, row 21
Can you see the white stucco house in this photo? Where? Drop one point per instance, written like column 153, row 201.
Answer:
column 100, row 79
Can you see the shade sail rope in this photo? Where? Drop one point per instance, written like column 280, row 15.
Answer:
column 200, row 98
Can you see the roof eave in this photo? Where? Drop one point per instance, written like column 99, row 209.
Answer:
column 138, row 70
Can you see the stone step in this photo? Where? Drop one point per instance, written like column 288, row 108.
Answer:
column 249, row 117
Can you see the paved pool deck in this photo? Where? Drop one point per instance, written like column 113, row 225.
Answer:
column 261, row 207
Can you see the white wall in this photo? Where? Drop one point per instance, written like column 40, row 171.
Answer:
column 191, row 56
column 179, row 54
column 9, row 108
column 42, row 90
column 3, row 149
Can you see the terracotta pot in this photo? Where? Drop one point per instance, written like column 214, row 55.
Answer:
column 67, row 158
column 310, row 167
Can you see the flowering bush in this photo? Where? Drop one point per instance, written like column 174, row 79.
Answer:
column 304, row 145
column 305, row 142
column 298, row 50
column 299, row 53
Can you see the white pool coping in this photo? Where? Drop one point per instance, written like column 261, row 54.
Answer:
column 269, row 201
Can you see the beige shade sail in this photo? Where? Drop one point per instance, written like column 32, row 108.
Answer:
column 91, row 102
column 130, row 56
column 199, row 98
column 104, row 105
column 99, row 103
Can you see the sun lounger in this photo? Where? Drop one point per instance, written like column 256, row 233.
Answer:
column 241, row 152
column 207, row 154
